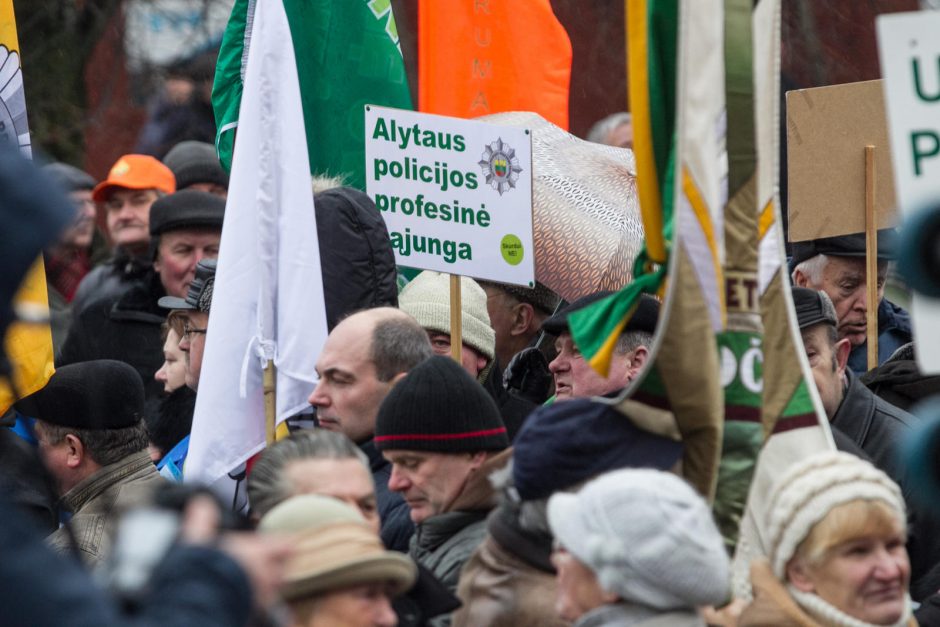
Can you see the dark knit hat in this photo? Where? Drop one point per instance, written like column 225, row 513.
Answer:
column 95, row 395
column 195, row 162
column 643, row 319
column 184, row 210
column 844, row 246
column 69, row 178
column 563, row 444
column 199, row 296
column 813, row 307
column 439, row 407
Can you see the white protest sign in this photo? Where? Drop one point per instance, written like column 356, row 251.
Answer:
column 910, row 64
column 456, row 195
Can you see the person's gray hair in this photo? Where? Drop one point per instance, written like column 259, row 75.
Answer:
column 603, row 127
column 399, row 344
column 812, row 269
column 632, row 340
column 104, row 446
column 268, row 484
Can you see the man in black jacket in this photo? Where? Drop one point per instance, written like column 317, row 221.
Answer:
column 186, row 228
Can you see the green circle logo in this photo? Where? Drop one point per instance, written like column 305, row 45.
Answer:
column 511, row 248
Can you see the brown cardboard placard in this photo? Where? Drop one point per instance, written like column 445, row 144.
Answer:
column 827, row 131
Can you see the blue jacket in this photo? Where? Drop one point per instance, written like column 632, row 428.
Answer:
column 894, row 331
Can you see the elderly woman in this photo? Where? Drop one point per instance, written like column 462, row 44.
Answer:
column 636, row 548
column 836, row 533
column 339, row 572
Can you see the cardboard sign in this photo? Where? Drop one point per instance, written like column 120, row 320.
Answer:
column 456, row 195
column 827, row 131
column 910, row 63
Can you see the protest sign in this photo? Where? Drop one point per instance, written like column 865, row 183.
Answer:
column 827, row 131
column 910, row 60
column 455, row 194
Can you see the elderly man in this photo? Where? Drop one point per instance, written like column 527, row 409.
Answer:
column 427, row 299
column 516, row 314
column 93, row 440
column 186, row 227
column 871, row 423
column 574, row 377
column 134, row 183
column 443, row 435
column 836, row 266
column 363, row 357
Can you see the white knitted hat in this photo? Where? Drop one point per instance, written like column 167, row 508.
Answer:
column 427, row 300
column 810, row 489
column 648, row 536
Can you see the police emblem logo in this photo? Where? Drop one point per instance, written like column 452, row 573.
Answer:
column 500, row 166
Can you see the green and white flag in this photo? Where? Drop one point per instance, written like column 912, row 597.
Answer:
column 347, row 56
column 792, row 417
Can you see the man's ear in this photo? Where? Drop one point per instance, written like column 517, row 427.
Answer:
column 799, row 279
column 523, row 315
column 75, row 453
column 640, row 355
column 841, row 351
column 477, row 459
column 798, row 575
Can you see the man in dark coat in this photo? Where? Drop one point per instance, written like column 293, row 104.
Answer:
column 186, row 228
column 444, row 437
column 364, row 356
column 89, row 421
column 133, row 184
column 836, row 266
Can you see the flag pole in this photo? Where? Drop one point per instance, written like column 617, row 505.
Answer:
column 270, row 398
column 456, row 330
column 871, row 259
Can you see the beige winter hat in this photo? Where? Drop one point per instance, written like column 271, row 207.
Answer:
column 334, row 548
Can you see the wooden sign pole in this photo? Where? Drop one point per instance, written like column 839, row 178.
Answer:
column 456, row 328
column 270, row 403
column 871, row 258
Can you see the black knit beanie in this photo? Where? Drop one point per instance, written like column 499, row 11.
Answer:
column 195, row 162
column 439, row 407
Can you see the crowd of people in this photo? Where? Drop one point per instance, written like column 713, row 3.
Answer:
column 503, row 489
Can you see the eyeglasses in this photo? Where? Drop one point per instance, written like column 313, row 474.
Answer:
column 188, row 331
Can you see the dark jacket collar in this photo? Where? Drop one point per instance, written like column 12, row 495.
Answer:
column 856, row 411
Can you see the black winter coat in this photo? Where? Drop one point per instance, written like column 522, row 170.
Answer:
column 125, row 328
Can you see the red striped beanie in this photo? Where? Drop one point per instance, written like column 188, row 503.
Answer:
column 439, row 407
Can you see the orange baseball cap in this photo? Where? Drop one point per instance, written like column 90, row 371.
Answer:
column 136, row 172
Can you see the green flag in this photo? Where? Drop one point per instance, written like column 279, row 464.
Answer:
column 347, row 56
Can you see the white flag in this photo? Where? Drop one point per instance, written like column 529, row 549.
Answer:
column 268, row 295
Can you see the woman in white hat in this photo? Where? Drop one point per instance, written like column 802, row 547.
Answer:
column 339, row 572
column 636, row 547
column 836, row 547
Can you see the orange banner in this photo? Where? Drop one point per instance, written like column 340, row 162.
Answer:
column 477, row 57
